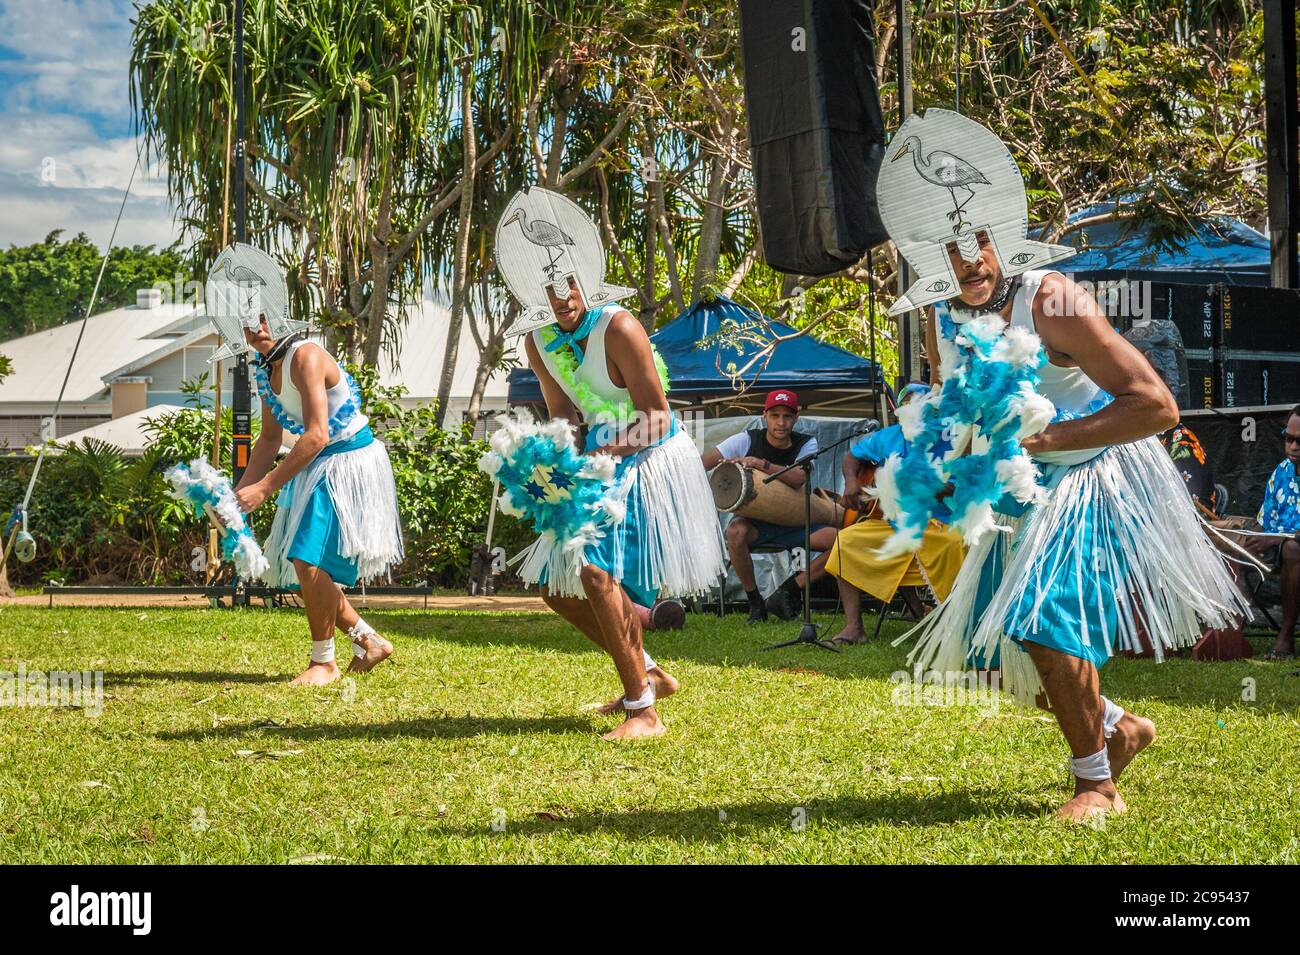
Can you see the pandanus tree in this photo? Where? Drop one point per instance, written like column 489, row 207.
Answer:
column 349, row 106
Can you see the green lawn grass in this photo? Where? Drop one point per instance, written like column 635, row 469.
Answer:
column 472, row 747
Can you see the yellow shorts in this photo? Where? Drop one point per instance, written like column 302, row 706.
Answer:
column 853, row 559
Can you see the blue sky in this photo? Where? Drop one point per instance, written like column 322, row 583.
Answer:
column 66, row 143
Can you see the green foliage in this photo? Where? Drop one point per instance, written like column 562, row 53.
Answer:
column 442, row 495
column 6, row 368
column 50, row 282
column 349, row 115
column 97, row 512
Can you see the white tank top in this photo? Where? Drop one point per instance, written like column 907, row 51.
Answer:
column 594, row 370
column 337, row 394
column 1067, row 388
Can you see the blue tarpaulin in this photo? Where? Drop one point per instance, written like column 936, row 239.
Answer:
column 1220, row 250
column 801, row 364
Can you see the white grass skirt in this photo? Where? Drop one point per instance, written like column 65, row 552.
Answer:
column 364, row 496
column 1118, row 543
column 668, row 542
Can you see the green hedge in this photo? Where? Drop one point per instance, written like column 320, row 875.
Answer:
column 96, row 514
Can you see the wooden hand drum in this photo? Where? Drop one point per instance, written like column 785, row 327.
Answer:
column 741, row 491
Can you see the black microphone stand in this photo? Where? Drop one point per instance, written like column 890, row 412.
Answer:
column 808, row 632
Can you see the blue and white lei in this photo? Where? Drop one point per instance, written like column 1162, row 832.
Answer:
column 338, row 420
column 569, row 497
column 207, row 489
column 988, row 403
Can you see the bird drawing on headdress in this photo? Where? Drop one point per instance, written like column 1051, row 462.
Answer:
column 245, row 278
column 944, row 169
column 545, row 234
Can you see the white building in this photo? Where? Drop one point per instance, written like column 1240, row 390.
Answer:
column 135, row 358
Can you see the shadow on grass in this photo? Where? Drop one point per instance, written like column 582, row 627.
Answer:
column 707, row 641
column 440, row 726
column 704, row 640
column 718, row 823
column 137, row 677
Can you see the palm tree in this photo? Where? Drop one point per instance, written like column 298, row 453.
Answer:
column 349, row 102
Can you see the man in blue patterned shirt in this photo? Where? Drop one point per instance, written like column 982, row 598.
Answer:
column 1280, row 514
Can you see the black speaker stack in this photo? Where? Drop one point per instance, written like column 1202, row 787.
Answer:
column 816, row 134
column 1242, row 341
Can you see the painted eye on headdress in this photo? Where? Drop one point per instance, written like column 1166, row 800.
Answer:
column 1020, row 258
column 939, row 286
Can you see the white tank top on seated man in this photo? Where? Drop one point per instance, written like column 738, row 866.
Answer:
column 337, row 394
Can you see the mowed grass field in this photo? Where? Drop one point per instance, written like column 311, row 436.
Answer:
column 472, row 746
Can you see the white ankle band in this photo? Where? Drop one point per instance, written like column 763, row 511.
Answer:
column 322, row 651
column 646, row 699
column 358, row 631
column 649, row 662
column 1111, row 716
column 1095, row 767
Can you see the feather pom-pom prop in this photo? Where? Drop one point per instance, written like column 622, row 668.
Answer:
column 986, row 406
column 567, row 496
column 209, row 492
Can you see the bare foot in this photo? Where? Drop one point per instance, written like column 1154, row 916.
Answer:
column 377, row 651
column 850, row 635
column 317, row 674
column 1091, row 800
column 1132, row 735
column 639, row 723
column 665, row 685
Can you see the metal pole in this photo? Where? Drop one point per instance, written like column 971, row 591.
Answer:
column 240, row 403
column 878, row 379
column 909, row 329
column 1280, row 127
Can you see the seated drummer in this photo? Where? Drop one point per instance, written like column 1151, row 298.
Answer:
column 853, row 560
column 766, row 450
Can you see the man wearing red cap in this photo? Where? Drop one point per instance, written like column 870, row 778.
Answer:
column 766, row 450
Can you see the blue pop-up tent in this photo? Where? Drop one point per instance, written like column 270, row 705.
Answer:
column 828, row 379
column 1219, row 250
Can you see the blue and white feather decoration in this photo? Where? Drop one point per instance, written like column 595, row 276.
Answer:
column 204, row 487
column 986, row 406
column 570, row 498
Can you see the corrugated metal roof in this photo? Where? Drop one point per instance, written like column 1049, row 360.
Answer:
column 113, row 339
column 129, row 340
column 128, row 432
column 423, row 346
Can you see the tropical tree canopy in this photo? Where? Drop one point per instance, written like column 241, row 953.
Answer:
column 386, row 135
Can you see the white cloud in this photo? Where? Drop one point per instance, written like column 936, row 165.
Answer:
column 74, row 55
column 59, row 150
column 31, row 212
column 66, row 153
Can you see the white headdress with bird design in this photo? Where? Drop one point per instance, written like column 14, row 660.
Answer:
column 543, row 239
column 945, row 180
column 244, row 284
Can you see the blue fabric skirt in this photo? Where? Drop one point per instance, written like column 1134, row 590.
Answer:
column 316, row 541
column 619, row 552
column 1065, row 611
column 1116, row 550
